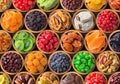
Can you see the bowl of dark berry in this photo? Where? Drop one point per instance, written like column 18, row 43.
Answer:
column 114, row 41
column 23, row 78
column 35, row 20
column 24, row 5
column 71, row 5
column 114, row 78
column 59, row 62
column 12, row 62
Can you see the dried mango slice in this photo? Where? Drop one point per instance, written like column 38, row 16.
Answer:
column 95, row 41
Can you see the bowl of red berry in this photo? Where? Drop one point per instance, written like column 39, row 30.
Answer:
column 23, row 5
column 47, row 41
column 107, row 20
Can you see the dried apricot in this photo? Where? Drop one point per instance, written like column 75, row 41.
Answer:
column 68, row 47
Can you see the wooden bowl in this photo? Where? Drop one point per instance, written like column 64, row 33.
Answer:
column 97, row 62
column 7, row 7
column 6, row 76
column 104, row 6
column 64, row 11
column 97, row 73
column 52, row 69
column 61, row 43
column 112, row 7
column 10, row 72
column 74, row 66
column 111, row 76
column 50, row 9
column 72, row 10
column 22, row 73
column 102, row 12
column 21, row 10
column 28, row 27
column 73, row 73
column 78, row 13
column 2, row 31
column 14, row 42
column 38, row 78
column 3, row 16
column 40, row 48
column 109, row 41
column 26, row 65
column 86, row 46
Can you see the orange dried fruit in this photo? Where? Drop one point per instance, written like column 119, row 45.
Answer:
column 68, row 47
column 43, row 61
column 31, row 57
column 29, row 63
column 33, row 69
column 36, row 62
column 40, row 68
column 39, row 55
column 76, row 43
column 96, row 41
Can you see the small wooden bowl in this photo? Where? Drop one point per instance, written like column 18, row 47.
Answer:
column 113, row 7
column 109, row 41
column 50, row 9
column 7, row 7
column 111, row 76
column 102, row 12
column 19, row 9
column 40, row 48
column 31, row 29
column 3, row 16
column 14, row 42
column 6, row 76
column 82, row 80
column 52, row 69
column 61, row 43
column 20, row 74
column 78, row 13
column 97, row 62
column 10, row 42
column 46, row 77
column 104, row 6
column 86, row 46
column 97, row 73
column 7, row 71
column 74, row 66
column 67, row 13
column 72, row 10
column 26, row 65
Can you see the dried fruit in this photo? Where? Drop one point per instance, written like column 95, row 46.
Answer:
column 60, row 20
column 107, row 20
column 36, row 62
column 5, row 41
column 95, row 41
column 71, row 41
column 10, row 21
